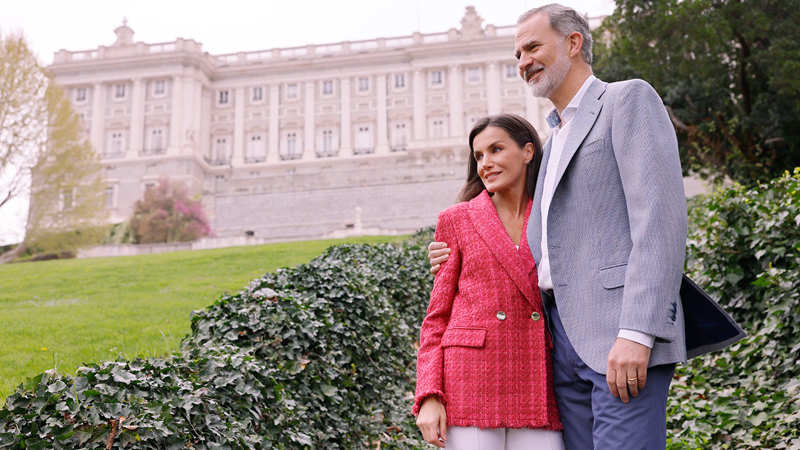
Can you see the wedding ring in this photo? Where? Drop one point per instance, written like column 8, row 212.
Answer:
column 633, row 380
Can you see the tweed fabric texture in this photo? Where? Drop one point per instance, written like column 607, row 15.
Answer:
column 616, row 227
column 484, row 345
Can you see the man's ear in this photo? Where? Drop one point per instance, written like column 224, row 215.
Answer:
column 575, row 42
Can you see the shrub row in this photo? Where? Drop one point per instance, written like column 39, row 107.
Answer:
column 744, row 247
column 322, row 355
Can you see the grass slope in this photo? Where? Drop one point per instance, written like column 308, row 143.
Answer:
column 60, row 314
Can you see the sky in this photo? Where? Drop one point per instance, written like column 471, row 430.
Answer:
column 237, row 25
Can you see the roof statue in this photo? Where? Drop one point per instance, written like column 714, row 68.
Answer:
column 471, row 24
column 124, row 34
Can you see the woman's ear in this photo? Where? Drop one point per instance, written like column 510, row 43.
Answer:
column 528, row 151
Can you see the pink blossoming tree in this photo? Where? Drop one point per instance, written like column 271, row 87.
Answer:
column 168, row 214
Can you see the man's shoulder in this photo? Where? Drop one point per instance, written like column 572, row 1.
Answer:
column 633, row 86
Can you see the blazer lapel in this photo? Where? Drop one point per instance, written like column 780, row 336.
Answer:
column 534, row 226
column 585, row 117
column 484, row 218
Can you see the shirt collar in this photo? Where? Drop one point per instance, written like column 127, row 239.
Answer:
column 554, row 120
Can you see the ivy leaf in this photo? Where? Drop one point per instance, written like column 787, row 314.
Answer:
column 122, row 376
column 328, row 390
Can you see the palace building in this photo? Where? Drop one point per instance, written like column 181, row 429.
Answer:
column 299, row 142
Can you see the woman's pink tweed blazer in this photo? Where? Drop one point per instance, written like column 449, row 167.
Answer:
column 484, row 346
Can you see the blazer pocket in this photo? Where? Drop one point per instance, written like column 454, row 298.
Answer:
column 464, row 337
column 613, row 276
column 591, row 147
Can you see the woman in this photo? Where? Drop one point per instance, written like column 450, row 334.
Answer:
column 484, row 374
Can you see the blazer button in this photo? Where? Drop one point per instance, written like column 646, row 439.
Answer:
column 501, row 315
column 535, row 315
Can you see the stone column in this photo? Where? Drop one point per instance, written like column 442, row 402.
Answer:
column 419, row 105
column 198, row 129
column 237, row 158
column 274, row 132
column 456, row 100
column 176, row 116
column 191, row 106
column 98, row 117
column 346, row 143
column 382, row 146
column 138, row 94
column 493, row 88
column 205, row 121
column 309, row 152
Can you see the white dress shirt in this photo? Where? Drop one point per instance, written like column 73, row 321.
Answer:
column 561, row 125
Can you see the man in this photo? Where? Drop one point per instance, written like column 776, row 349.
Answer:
column 608, row 232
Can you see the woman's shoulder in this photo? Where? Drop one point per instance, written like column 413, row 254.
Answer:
column 455, row 211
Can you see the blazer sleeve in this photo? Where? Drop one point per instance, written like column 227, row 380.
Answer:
column 646, row 151
column 430, row 359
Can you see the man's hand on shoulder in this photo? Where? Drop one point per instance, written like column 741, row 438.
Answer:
column 438, row 252
column 627, row 368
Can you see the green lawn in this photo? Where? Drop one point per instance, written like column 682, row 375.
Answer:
column 64, row 313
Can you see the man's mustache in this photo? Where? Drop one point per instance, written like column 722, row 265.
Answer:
column 531, row 70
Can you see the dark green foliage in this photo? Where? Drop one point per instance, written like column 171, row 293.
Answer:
column 321, row 356
column 744, row 247
column 727, row 71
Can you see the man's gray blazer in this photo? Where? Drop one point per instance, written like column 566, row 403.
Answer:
column 617, row 224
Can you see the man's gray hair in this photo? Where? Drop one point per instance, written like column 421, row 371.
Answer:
column 565, row 21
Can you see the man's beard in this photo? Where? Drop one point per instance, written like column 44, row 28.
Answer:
column 551, row 77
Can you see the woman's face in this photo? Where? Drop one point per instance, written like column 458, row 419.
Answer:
column 501, row 162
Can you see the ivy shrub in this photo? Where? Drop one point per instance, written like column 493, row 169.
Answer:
column 744, row 248
column 321, row 355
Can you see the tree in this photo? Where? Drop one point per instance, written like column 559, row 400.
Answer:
column 167, row 214
column 22, row 112
column 727, row 71
column 45, row 157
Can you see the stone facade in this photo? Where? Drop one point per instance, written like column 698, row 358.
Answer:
column 297, row 142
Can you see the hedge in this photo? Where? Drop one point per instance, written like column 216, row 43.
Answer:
column 322, row 355
column 744, row 247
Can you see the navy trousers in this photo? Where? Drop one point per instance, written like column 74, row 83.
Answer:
column 595, row 419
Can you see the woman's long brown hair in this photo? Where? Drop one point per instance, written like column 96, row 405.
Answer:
column 522, row 132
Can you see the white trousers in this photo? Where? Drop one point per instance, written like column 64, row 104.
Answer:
column 474, row 438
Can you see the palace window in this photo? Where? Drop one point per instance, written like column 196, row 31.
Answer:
column 510, row 71
column 399, row 80
column 156, row 140
column 291, row 90
column 67, row 199
column 437, row 78
column 363, row 84
column 222, row 99
column 220, row 151
column 327, row 147
column 117, row 143
column 399, row 136
column 437, row 128
column 119, row 91
column 159, row 88
column 363, row 140
column 80, row 95
column 109, row 195
column 257, row 94
column 292, row 147
column 327, row 87
column 256, row 148
column 473, row 75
